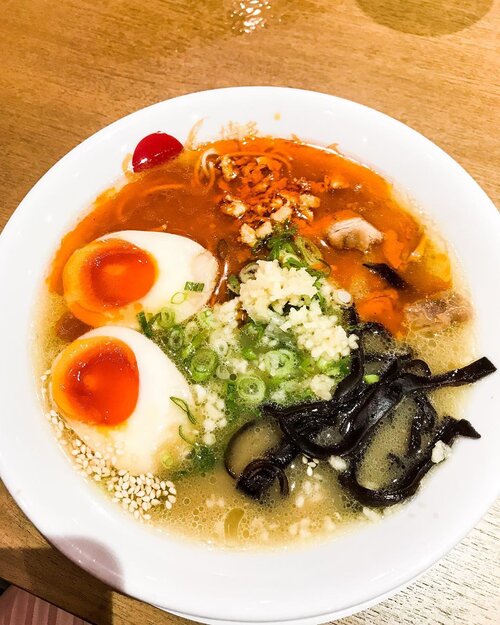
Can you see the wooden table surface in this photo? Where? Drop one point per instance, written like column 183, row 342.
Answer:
column 71, row 67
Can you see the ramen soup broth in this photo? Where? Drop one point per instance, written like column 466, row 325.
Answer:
column 211, row 355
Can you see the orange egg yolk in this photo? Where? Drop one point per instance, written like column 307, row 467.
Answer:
column 96, row 381
column 104, row 276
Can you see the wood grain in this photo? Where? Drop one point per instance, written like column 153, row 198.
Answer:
column 71, row 67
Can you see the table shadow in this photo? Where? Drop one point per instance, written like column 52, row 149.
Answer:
column 430, row 18
column 77, row 591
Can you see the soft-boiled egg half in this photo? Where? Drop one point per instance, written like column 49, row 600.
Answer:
column 112, row 279
column 113, row 387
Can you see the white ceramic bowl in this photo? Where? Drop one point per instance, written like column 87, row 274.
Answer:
column 308, row 585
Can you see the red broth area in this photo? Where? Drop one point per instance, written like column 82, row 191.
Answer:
column 186, row 196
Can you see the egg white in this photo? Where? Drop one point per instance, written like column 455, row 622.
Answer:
column 178, row 260
column 152, row 430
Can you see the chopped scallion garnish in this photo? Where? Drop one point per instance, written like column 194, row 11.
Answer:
column 182, row 404
column 248, row 272
column 188, row 437
column 205, row 317
column 371, row 378
column 194, row 286
column 250, row 388
column 167, row 461
column 187, row 351
column 178, row 298
column 203, row 365
column 309, row 251
column 175, row 339
column 166, row 318
column 144, row 325
column 233, row 284
column 290, row 260
column 248, row 353
column 280, row 363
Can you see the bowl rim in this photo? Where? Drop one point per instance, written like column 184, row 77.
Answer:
column 85, row 149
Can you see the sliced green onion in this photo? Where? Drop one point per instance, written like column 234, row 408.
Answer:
column 371, row 378
column 222, row 372
column 307, row 363
column 167, row 461
column 188, row 437
column 321, row 300
column 199, row 338
column 334, row 368
column 178, row 401
column 194, row 286
column 205, row 317
column 248, row 272
column 281, row 240
column 166, row 318
column 233, row 284
column 175, row 339
column 178, row 298
column 203, row 458
column 144, row 325
column 280, row 248
column 248, row 353
column 331, row 369
column 250, row 388
column 280, row 363
column 288, row 259
column 309, row 251
column 219, row 345
column 187, row 351
column 344, row 365
column 191, row 329
column 276, row 336
column 203, row 364
column 252, row 331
